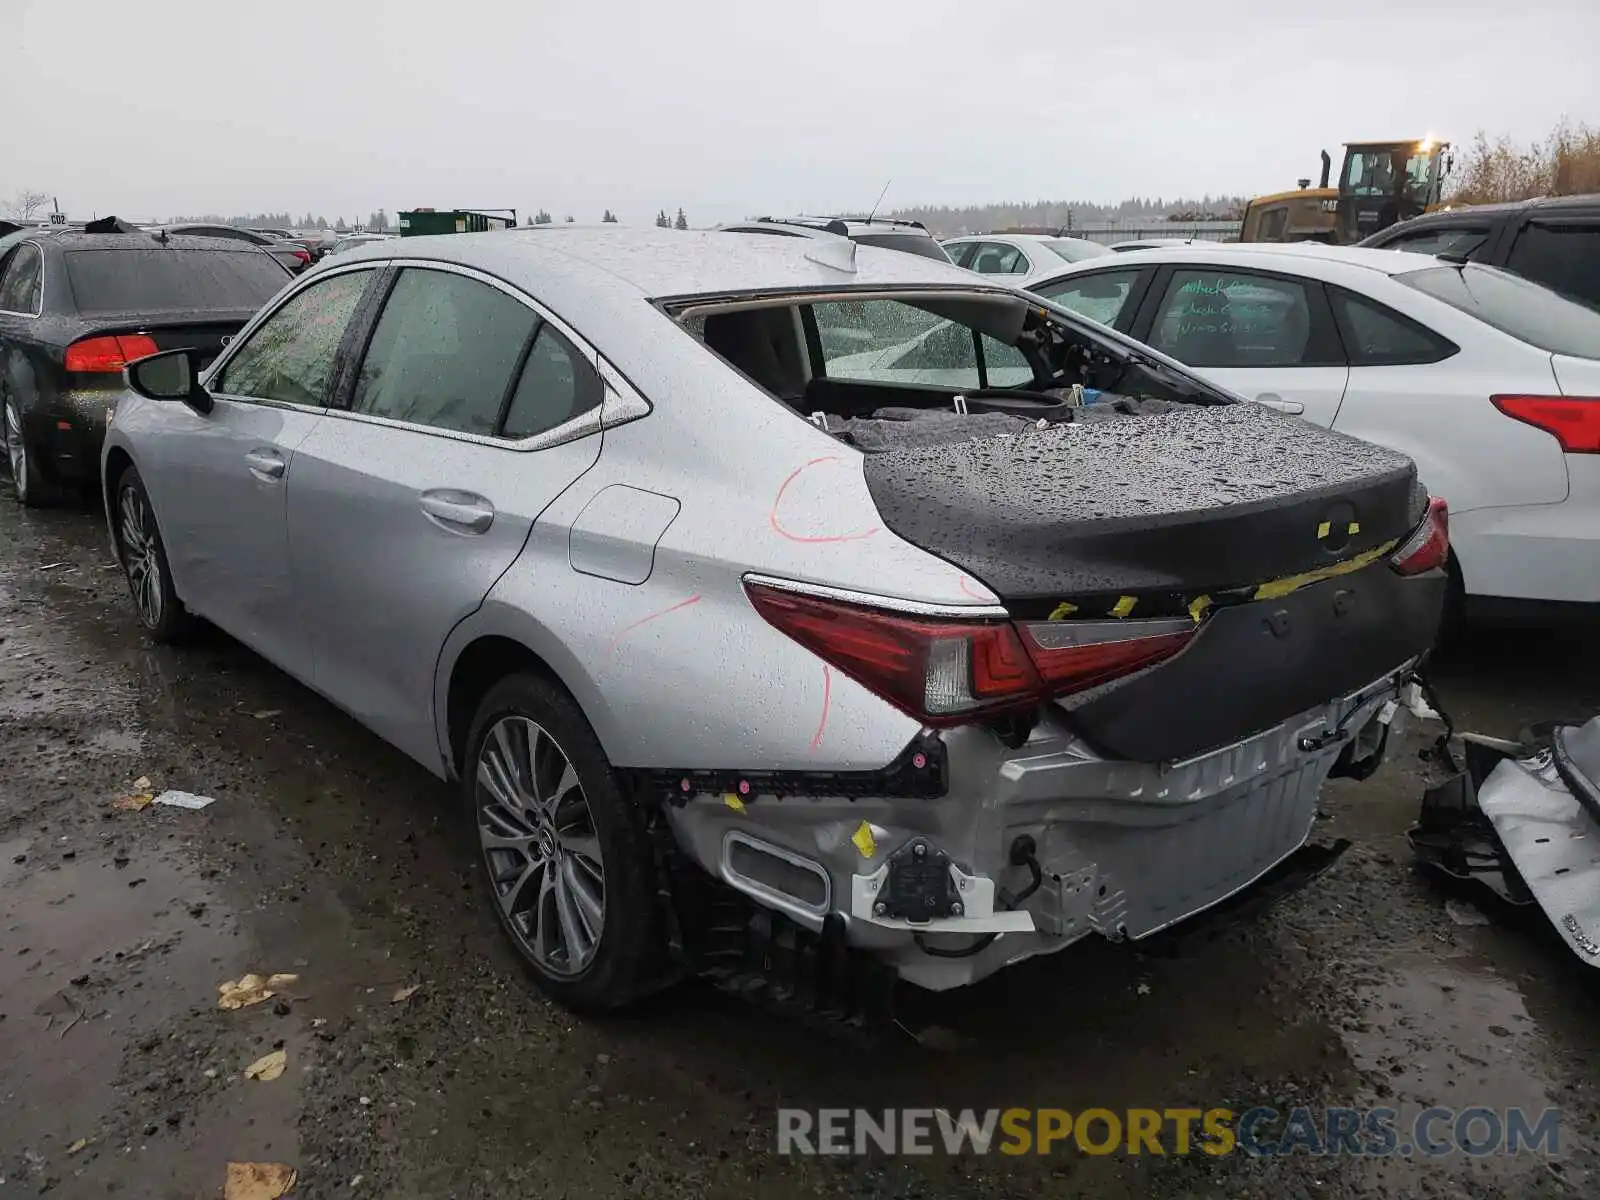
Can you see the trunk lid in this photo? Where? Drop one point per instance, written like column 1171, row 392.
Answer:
column 206, row 332
column 1175, row 505
column 1272, row 534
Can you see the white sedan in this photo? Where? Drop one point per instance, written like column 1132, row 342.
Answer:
column 1023, row 256
column 1491, row 383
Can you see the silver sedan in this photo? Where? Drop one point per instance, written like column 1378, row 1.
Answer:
column 746, row 644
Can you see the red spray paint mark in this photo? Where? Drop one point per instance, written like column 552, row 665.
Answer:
column 777, row 500
column 827, row 699
column 627, row 629
column 967, row 589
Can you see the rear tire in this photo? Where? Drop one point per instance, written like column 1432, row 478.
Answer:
column 144, row 562
column 564, row 854
column 33, row 490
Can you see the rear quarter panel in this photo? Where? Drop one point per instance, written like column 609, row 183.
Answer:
column 680, row 671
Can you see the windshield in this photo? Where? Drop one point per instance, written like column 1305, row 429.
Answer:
column 911, row 243
column 151, row 280
column 1384, row 172
column 1076, row 249
column 1527, row 311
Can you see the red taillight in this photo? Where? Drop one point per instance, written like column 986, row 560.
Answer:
column 1573, row 420
column 1073, row 656
column 948, row 670
column 97, row 355
column 303, row 255
column 1429, row 544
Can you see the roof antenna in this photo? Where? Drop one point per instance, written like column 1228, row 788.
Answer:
column 879, row 200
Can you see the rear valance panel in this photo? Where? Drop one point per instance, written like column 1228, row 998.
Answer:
column 1192, row 500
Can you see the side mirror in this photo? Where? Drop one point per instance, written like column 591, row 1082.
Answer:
column 168, row 376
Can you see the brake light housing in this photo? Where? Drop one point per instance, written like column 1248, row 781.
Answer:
column 1428, row 546
column 1574, row 421
column 108, row 353
column 947, row 669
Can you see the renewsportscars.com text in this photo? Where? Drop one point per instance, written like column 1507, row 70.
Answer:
column 1260, row 1132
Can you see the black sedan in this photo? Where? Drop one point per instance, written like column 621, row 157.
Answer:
column 77, row 306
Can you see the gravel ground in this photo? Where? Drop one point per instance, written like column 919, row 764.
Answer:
column 332, row 857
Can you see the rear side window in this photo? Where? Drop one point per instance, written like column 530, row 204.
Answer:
column 959, row 252
column 290, row 356
column 557, row 384
column 443, row 353
column 21, row 287
column 1375, row 335
column 910, row 243
column 1527, row 311
column 1564, row 257
column 156, row 281
column 1101, row 296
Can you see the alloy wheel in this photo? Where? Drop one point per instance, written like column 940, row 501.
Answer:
column 541, row 846
column 140, row 557
column 16, row 449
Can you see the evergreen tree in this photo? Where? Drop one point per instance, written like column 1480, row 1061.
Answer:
column 542, row 217
column 609, row 219
column 570, row 218
column 662, row 220
column 682, row 222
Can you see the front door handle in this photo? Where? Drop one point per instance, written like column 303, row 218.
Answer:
column 265, row 464
column 1273, row 400
column 459, row 512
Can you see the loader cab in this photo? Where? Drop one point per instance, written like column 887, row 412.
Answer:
column 1381, row 183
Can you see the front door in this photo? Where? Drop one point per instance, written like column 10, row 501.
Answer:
column 1267, row 337
column 218, row 481
column 415, row 496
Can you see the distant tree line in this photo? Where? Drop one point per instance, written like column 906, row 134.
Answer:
column 948, row 220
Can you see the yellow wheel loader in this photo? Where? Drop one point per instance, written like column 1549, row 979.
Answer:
column 1379, row 183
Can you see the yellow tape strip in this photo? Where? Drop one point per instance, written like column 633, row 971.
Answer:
column 1198, row 606
column 1282, row 587
column 865, row 842
column 733, row 802
column 1124, row 606
column 1065, row 609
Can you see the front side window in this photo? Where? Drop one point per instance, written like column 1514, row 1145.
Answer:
column 1563, row 257
column 1212, row 318
column 443, row 353
column 290, row 357
column 1101, row 296
column 22, row 287
column 1386, row 172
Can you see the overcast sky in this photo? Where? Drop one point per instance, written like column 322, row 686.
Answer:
column 740, row 109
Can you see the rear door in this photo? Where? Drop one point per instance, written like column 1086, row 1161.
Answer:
column 468, row 414
column 1268, row 336
column 23, row 356
column 218, row 480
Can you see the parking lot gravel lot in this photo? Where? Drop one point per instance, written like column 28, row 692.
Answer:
column 330, row 856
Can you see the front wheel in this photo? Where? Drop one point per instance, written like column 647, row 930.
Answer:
column 144, row 562
column 565, row 856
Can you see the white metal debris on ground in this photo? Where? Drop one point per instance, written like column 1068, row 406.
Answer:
column 175, row 799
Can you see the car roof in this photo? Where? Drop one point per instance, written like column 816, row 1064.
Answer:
column 1502, row 208
column 665, row 262
column 76, row 239
column 1263, row 255
column 1031, row 238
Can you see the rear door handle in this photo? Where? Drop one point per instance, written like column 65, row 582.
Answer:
column 1272, row 400
column 459, row 512
column 265, row 464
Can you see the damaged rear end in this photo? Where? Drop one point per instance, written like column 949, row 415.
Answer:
column 1201, row 609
